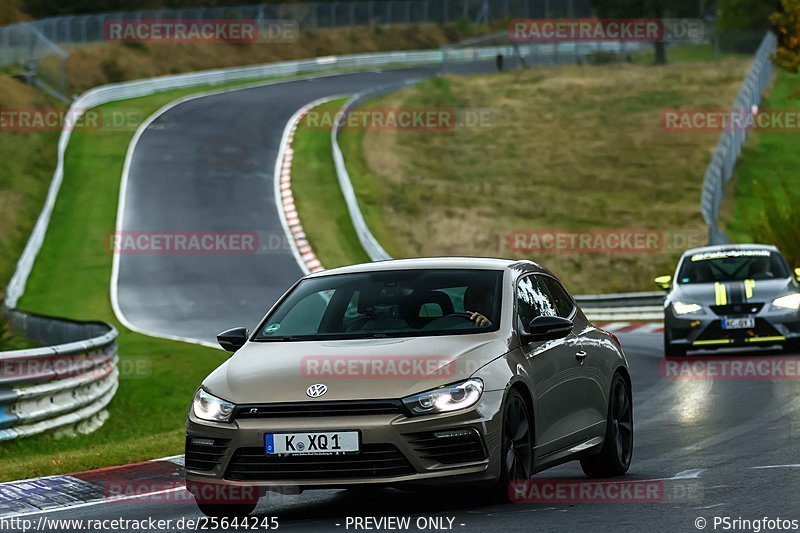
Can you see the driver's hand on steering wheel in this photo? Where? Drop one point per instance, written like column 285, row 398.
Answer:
column 479, row 319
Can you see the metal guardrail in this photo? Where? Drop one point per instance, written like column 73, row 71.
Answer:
column 723, row 161
column 65, row 387
column 632, row 306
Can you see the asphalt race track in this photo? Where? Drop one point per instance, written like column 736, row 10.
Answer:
column 718, row 447
column 207, row 165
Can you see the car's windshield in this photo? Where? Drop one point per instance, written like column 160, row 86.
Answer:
column 394, row 303
column 732, row 265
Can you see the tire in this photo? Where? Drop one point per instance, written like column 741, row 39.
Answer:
column 671, row 350
column 229, row 510
column 614, row 458
column 516, row 450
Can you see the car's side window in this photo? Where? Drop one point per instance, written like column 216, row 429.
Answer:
column 559, row 296
column 533, row 300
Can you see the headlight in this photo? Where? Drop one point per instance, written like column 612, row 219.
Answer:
column 790, row 301
column 682, row 308
column 451, row 398
column 209, row 407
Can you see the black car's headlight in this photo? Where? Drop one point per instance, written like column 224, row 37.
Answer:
column 683, row 308
column 790, row 301
column 446, row 399
column 208, row 407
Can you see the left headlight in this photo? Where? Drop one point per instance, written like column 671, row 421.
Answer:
column 208, row 407
column 683, row 308
column 790, row 301
column 450, row 398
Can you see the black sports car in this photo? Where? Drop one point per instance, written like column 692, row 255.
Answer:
column 731, row 295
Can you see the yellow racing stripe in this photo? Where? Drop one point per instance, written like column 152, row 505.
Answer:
column 749, row 285
column 721, row 293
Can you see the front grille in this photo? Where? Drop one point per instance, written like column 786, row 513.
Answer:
column 374, row 460
column 204, row 453
column 737, row 309
column 450, row 446
column 329, row 408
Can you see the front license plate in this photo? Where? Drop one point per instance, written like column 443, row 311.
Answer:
column 739, row 323
column 328, row 443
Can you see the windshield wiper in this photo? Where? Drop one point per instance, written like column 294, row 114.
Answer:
column 280, row 338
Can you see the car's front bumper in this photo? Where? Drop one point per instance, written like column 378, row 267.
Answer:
column 705, row 332
column 395, row 450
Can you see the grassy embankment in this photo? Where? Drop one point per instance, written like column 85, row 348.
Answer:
column 763, row 203
column 571, row 148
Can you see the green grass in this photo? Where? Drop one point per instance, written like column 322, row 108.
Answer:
column 319, row 198
column 767, row 179
column 578, row 148
column 71, row 279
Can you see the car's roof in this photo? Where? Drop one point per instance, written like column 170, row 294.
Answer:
column 723, row 247
column 474, row 263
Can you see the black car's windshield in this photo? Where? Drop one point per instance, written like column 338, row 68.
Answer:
column 732, row 265
column 394, row 303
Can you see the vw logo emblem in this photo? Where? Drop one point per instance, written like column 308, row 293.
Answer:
column 316, row 390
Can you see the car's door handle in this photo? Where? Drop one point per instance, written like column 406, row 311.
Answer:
column 581, row 355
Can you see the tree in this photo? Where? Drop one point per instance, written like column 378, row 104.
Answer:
column 786, row 24
column 657, row 9
column 744, row 15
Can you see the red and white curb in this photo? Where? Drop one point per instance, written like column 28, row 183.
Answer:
column 285, row 199
column 148, row 482
column 632, row 327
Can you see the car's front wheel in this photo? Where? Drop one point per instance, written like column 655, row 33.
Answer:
column 614, row 458
column 516, row 451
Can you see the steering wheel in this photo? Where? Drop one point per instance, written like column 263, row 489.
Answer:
column 466, row 316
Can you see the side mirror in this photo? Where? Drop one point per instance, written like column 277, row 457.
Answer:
column 665, row 282
column 547, row 328
column 797, row 274
column 233, row 339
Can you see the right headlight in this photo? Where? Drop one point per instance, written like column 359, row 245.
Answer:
column 790, row 301
column 206, row 406
column 682, row 308
column 446, row 399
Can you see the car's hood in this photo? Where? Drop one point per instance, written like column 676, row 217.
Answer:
column 762, row 291
column 266, row 372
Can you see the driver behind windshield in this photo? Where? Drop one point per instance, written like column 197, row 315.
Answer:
column 478, row 304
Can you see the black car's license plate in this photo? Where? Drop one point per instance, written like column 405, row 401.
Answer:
column 739, row 323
